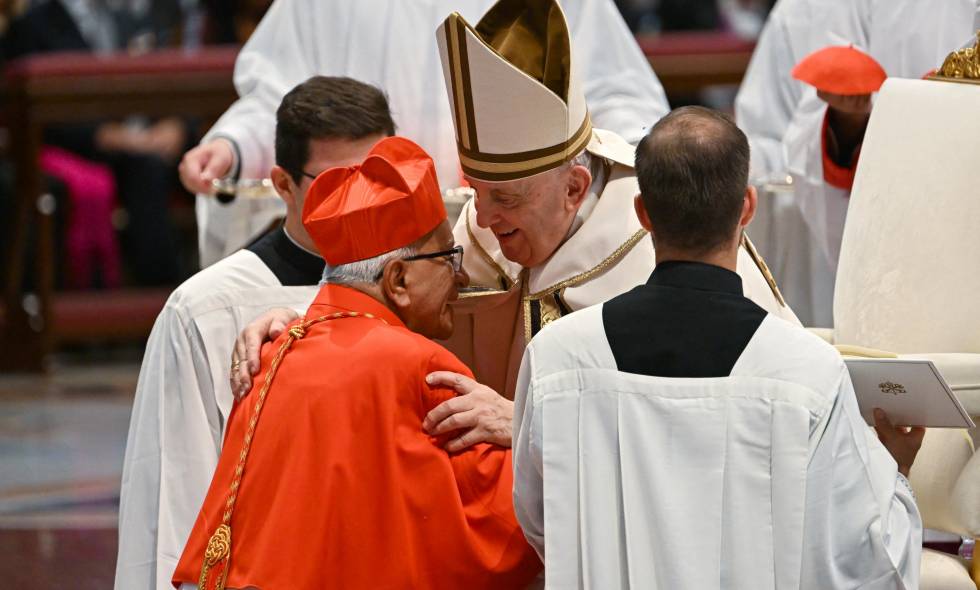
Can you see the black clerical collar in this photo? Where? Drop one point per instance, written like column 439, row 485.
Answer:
column 292, row 265
column 695, row 275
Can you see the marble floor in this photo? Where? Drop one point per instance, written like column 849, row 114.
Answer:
column 62, row 438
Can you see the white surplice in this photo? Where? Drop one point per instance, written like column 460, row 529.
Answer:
column 783, row 119
column 767, row 478
column 182, row 402
column 392, row 44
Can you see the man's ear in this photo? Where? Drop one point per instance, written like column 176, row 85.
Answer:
column 286, row 187
column 394, row 285
column 641, row 213
column 749, row 204
column 579, row 181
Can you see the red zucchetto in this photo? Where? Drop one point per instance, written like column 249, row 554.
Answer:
column 388, row 202
column 841, row 70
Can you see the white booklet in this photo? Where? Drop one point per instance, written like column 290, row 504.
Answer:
column 911, row 392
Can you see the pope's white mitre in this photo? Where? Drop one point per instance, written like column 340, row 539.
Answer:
column 516, row 101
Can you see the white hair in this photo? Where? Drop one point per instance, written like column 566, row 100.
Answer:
column 366, row 271
column 584, row 158
column 597, row 166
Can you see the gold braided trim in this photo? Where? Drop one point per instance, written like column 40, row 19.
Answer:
column 218, row 550
column 483, row 253
column 582, row 277
column 763, row 268
column 600, row 268
column 526, row 304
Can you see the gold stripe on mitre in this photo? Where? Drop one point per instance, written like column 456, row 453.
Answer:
column 517, row 110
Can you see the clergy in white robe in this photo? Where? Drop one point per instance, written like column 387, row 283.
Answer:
column 785, row 122
column 183, row 396
column 679, row 436
column 389, row 43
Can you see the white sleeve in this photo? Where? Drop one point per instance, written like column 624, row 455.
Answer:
column 281, row 53
column 527, row 458
column 768, row 95
column 621, row 89
column 863, row 528
column 170, row 455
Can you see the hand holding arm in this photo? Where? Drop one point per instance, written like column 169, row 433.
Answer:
column 478, row 412
column 248, row 345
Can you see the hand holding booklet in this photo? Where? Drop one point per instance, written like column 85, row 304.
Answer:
column 911, row 392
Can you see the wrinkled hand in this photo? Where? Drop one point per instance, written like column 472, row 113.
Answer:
column 204, row 163
column 480, row 413
column 245, row 358
column 902, row 443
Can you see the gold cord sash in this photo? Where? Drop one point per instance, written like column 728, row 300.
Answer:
column 217, row 556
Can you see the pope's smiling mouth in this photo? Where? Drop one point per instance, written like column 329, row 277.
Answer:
column 506, row 234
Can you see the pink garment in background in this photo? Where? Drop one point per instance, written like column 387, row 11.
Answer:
column 90, row 241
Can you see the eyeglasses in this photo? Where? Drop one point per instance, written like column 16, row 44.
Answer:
column 455, row 257
column 307, row 174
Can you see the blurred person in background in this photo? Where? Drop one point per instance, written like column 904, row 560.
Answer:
column 139, row 154
column 815, row 137
column 233, row 21
column 388, row 43
column 742, row 17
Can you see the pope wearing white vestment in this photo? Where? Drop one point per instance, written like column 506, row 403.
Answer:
column 520, row 114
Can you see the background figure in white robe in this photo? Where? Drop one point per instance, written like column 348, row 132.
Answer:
column 679, row 436
column 388, row 43
column 799, row 231
column 183, row 396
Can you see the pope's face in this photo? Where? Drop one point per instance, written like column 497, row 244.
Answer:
column 529, row 217
column 431, row 283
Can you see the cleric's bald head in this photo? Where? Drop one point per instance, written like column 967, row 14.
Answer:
column 693, row 169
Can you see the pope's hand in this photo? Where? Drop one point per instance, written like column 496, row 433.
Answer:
column 902, row 443
column 478, row 412
column 245, row 358
column 204, row 163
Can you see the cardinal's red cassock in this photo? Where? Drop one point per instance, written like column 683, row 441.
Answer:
column 336, row 485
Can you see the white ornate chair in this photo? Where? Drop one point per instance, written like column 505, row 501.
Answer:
column 908, row 281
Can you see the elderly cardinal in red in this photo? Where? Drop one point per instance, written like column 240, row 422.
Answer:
column 326, row 479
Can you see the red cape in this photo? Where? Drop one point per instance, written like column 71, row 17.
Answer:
column 342, row 488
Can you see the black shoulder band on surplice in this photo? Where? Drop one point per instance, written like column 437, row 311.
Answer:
column 292, row 265
column 688, row 320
